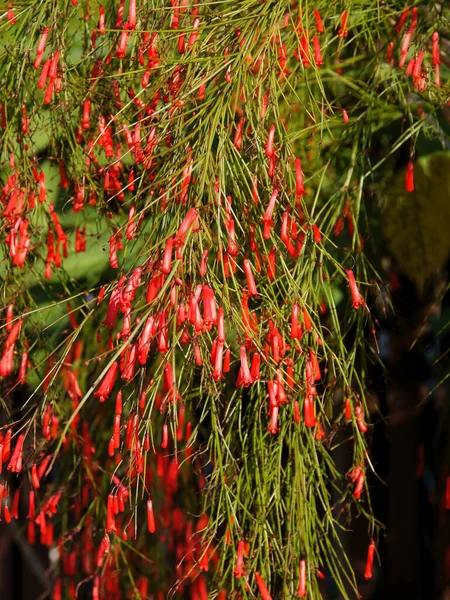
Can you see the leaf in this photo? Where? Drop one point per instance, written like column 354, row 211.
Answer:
column 416, row 224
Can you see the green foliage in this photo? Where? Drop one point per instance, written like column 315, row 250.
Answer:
column 140, row 118
column 416, row 223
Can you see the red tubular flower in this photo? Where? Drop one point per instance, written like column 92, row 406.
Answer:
column 389, row 50
column 343, row 30
column 414, row 12
column 209, row 307
column 194, row 311
column 203, row 563
column 41, row 470
column 6, row 362
column 113, row 253
column 15, row 464
column 130, row 363
column 34, row 477
column 237, row 141
column 31, row 506
column 163, row 336
column 21, row 376
column 269, row 144
column 319, row 23
column 108, row 382
column 44, row 74
column 296, row 330
column 132, row 15
column 299, row 186
column 252, row 291
column 113, row 305
column 72, row 319
column 247, row 378
column 104, row 548
column 255, row 189
column 303, row 53
column 357, row 299
column 301, row 591
column 317, row 53
column 320, row 434
column 270, row 208
column 123, row 42
column 285, row 221
column 296, row 412
column 86, row 122
column 317, row 235
column 221, row 325
column 154, row 287
column 262, row 587
column 42, row 41
column 213, row 351
column 409, row 179
column 272, row 164
column 218, row 362
column 272, row 391
column 401, row 21
column 38, row 60
column 232, row 247
column 359, row 478
column 201, row 91
column 168, row 378
column 369, row 561
column 110, row 522
column 7, row 445
column 13, row 334
column 204, row 263
column 6, row 513
column 227, row 361
column 198, row 355
column 101, row 21
column 189, row 220
column 254, row 369
column 404, row 48
column 360, row 418
column 239, row 569
column 435, row 57
column 417, row 66
column 165, row 436
column 273, row 425
column 309, row 411
column 49, row 92
column 53, row 65
column 348, row 409
column 150, row 517
column 131, row 434
column 167, row 258
column 194, row 34
column 315, row 365
column 276, row 348
column 290, row 381
column 307, row 320
column 15, row 504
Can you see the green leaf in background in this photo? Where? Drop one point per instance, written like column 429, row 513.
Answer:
column 417, row 224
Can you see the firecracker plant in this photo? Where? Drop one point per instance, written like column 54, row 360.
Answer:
column 186, row 324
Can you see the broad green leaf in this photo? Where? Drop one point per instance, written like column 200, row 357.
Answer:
column 417, row 224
